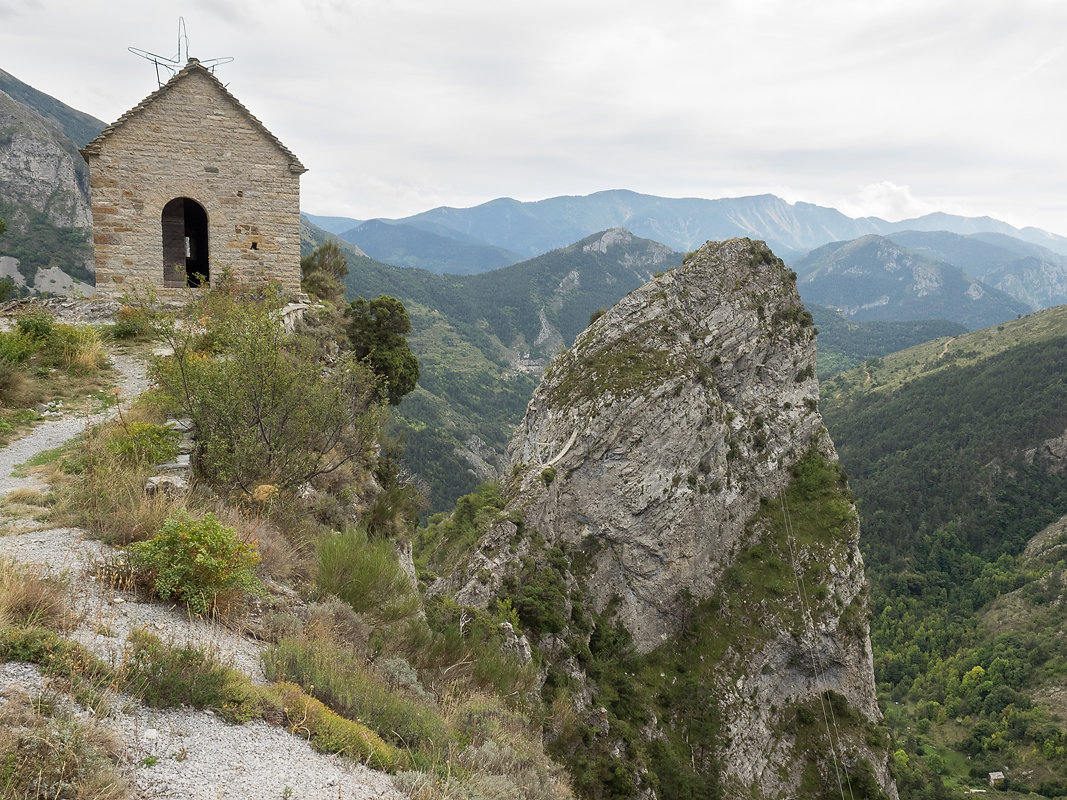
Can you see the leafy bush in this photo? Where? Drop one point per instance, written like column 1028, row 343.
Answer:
column 144, row 443
column 266, row 409
column 539, row 595
column 196, row 560
column 36, row 326
column 15, row 347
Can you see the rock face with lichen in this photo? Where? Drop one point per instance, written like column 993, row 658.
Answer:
column 673, row 485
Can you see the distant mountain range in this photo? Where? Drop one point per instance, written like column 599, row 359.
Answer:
column 44, row 200
column 1029, row 272
column 791, row 229
column 409, row 246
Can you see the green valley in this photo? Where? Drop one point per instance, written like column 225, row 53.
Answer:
column 954, row 452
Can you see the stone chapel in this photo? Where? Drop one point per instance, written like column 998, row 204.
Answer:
column 188, row 184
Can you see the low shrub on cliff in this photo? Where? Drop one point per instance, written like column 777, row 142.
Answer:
column 365, row 574
column 349, row 684
column 196, row 561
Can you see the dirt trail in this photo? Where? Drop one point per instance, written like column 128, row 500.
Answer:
column 53, row 433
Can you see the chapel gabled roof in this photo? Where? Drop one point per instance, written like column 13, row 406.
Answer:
column 193, row 65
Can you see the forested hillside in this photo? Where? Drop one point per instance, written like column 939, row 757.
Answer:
column 955, row 452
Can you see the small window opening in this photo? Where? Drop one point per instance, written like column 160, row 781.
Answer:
column 255, row 245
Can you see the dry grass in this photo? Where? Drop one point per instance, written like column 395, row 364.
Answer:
column 333, row 620
column 27, row 497
column 282, row 557
column 30, row 598
column 17, row 389
column 47, row 752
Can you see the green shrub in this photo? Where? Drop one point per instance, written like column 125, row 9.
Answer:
column 365, row 574
column 195, row 561
column 539, row 595
column 265, row 409
column 132, row 322
column 144, row 443
column 77, row 348
column 36, row 326
column 166, row 677
column 15, row 347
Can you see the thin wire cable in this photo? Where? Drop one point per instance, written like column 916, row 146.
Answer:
column 802, row 595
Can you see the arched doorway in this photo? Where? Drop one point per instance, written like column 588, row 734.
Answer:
column 184, row 243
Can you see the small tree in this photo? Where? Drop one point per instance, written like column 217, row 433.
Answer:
column 377, row 330
column 266, row 409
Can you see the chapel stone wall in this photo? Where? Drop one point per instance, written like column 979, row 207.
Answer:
column 192, row 140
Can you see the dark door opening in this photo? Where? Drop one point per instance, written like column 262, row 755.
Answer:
column 185, row 261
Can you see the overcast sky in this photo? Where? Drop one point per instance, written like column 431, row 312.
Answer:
column 890, row 108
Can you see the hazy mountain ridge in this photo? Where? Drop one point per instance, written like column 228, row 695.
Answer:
column 1028, row 272
column 873, row 278
column 409, row 246
column 791, row 229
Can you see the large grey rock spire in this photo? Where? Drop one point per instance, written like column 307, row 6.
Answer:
column 677, row 457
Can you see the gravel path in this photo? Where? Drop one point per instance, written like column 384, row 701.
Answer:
column 53, row 433
column 194, row 754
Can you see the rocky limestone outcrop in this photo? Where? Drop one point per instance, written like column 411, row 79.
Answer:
column 43, row 181
column 654, row 452
column 41, row 168
column 665, row 424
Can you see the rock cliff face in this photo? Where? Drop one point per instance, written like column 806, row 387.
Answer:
column 44, row 198
column 40, row 168
column 676, row 459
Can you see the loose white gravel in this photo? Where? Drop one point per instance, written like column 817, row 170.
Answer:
column 183, row 753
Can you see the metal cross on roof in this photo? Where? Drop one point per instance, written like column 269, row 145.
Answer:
column 173, row 64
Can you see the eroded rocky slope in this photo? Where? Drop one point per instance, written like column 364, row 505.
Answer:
column 673, row 487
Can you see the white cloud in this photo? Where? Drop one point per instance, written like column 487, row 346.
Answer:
column 886, row 200
column 887, row 107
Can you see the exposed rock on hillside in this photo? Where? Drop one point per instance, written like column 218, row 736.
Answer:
column 674, row 467
column 37, row 170
column 44, row 199
column 703, row 378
